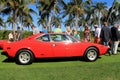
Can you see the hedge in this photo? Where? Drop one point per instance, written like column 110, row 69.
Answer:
column 4, row 34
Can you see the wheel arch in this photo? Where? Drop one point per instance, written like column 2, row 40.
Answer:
column 21, row 62
column 91, row 58
column 25, row 49
column 93, row 47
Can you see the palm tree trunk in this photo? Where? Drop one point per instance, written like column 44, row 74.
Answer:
column 53, row 13
column 76, row 21
column 99, row 19
column 14, row 20
column 50, row 20
column 49, row 24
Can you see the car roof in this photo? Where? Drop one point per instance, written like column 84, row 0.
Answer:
column 33, row 36
column 46, row 33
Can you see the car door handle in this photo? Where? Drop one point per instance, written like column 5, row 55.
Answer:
column 54, row 45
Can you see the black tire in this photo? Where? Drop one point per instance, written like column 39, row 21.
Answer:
column 24, row 57
column 91, row 54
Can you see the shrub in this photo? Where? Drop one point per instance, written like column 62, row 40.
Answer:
column 4, row 34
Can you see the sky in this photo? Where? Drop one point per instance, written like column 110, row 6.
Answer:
column 109, row 2
column 35, row 18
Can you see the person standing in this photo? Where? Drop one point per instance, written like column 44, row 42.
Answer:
column 75, row 34
column 105, row 34
column 115, row 38
column 68, row 31
column 45, row 30
column 58, row 29
column 10, row 37
column 19, row 33
column 35, row 30
column 87, row 34
column 97, row 34
column 15, row 36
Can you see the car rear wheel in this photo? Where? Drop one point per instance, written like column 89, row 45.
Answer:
column 91, row 54
column 24, row 57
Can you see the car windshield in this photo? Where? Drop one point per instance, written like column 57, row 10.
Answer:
column 72, row 38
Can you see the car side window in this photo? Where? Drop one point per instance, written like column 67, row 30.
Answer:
column 71, row 38
column 65, row 38
column 58, row 37
column 44, row 38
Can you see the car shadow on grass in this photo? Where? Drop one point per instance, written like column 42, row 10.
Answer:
column 43, row 60
column 63, row 59
column 8, row 60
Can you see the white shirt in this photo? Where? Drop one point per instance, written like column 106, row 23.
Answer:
column 97, row 32
column 35, row 31
column 10, row 35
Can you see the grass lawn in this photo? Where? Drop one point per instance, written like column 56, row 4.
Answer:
column 105, row 68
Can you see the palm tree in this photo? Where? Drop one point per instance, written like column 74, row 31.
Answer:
column 47, row 10
column 118, row 11
column 56, row 21
column 14, row 8
column 70, row 21
column 89, row 12
column 1, row 19
column 1, row 22
column 74, row 9
column 114, row 12
column 9, row 21
column 25, row 16
column 100, row 9
column 42, row 22
column 11, row 7
column 27, row 21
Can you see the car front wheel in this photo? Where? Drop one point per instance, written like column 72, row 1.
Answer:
column 91, row 54
column 24, row 57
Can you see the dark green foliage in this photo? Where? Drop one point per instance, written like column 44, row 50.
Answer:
column 81, row 34
column 4, row 34
column 26, row 33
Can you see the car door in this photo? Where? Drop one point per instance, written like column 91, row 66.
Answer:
column 59, row 45
column 44, row 46
column 74, row 47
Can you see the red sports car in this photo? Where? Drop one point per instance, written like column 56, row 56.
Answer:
column 51, row 45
